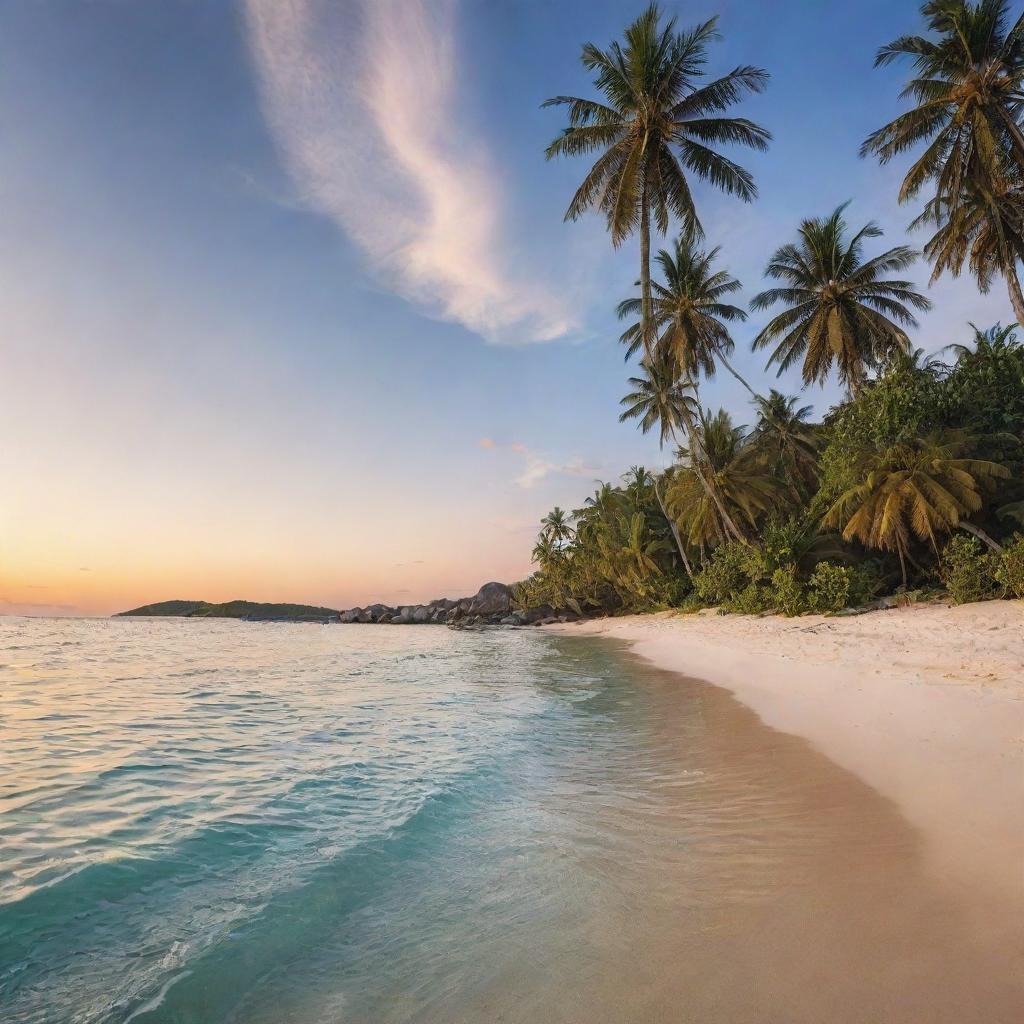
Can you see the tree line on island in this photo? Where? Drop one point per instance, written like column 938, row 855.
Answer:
column 916, row 479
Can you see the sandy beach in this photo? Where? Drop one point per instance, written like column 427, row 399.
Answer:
column 925, row 704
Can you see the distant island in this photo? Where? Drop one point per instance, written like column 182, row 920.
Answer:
column 252, row 610
column 494, row 604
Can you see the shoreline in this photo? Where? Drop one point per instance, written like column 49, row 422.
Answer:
column 925, row 704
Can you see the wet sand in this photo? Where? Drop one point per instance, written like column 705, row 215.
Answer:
column 734, row 874
column 925, row 704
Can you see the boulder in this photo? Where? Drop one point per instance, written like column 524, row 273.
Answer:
column 509, row 620
column 532, row 615
column 352, row 615
column 421, row 614
column 364, row 616
column 385, row 618
column 491, row 599
column 376, row 611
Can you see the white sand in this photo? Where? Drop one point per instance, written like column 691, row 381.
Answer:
column 925, row 704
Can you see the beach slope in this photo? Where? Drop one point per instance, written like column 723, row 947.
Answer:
column 924, row 703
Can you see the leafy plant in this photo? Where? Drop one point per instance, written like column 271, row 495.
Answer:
column 790, row 596
column 967, row 570
column 830, row 586
column 1009, row 570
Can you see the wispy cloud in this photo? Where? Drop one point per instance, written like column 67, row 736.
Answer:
column 363, row 101
column 537, row 467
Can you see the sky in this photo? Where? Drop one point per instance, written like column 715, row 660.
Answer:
column 289, row 310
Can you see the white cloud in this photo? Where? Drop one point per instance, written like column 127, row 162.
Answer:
column 537, row 467
column 363, row 101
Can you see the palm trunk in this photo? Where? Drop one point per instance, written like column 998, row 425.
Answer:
column 1016, row 295
column 709, row 488
column 732, row 370
column 645, row 275
column 977, row 531
column 675, row 530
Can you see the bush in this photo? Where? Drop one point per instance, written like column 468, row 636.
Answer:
column 830, row 587
column 789, row 596
column 1009, row 570
column 750, row 600
column 867, row 581
column 966, row 570
column 725, row 574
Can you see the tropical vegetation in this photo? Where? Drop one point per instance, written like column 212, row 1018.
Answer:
column 913, row 483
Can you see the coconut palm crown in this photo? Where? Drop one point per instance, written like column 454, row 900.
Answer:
column 688, row 313
column 657, row 123
column 968, row 94
column 842, row 310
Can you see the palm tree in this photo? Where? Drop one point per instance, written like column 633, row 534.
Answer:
column 787, row 441
column 545, row 551
column 983, row 229
column 920, row 488
column 687, row 311
column 726, row 455
column 556, row 527
column 656, row 123
column 662, row 398
column 841, row 310
column 969, row 94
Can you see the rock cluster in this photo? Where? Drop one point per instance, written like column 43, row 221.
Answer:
column 491, row 605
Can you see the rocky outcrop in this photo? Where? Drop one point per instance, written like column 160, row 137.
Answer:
column 491, row 605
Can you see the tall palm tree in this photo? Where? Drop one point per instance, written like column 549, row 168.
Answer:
column 556, row 526
column 921, row 488
column 664, row 399
column 968, row 92
column 656, row 123
column 725, row 454
column 841, row 310
column 787, row 441
column 983, row 229
column 688, row 314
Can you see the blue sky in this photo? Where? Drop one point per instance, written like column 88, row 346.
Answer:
column 289, row 308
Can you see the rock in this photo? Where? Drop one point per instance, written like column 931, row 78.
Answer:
column 376, row 611
column 385, row 618
column 421, row 614
column 509, row 620
column 352, row 615
column 492, row 599
column 533, row 615
column 363, row 616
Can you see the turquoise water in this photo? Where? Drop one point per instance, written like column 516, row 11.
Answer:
column 212, row 822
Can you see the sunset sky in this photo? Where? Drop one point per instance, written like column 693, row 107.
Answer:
column 288, row 308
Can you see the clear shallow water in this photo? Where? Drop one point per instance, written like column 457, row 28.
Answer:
column 231, row 822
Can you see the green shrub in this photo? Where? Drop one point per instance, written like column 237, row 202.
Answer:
column 867, row 581
column 724, row 575
column 966, row 570
column 789, row 596
column 830, row 587
column 751, row 600
column 1009, row 570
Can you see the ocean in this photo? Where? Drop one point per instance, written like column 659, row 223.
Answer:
column 221, row 822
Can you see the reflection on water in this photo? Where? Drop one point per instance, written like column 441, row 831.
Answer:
column 231, row 822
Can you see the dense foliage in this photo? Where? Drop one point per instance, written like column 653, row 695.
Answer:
column 914, row 483
column 916, row 480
